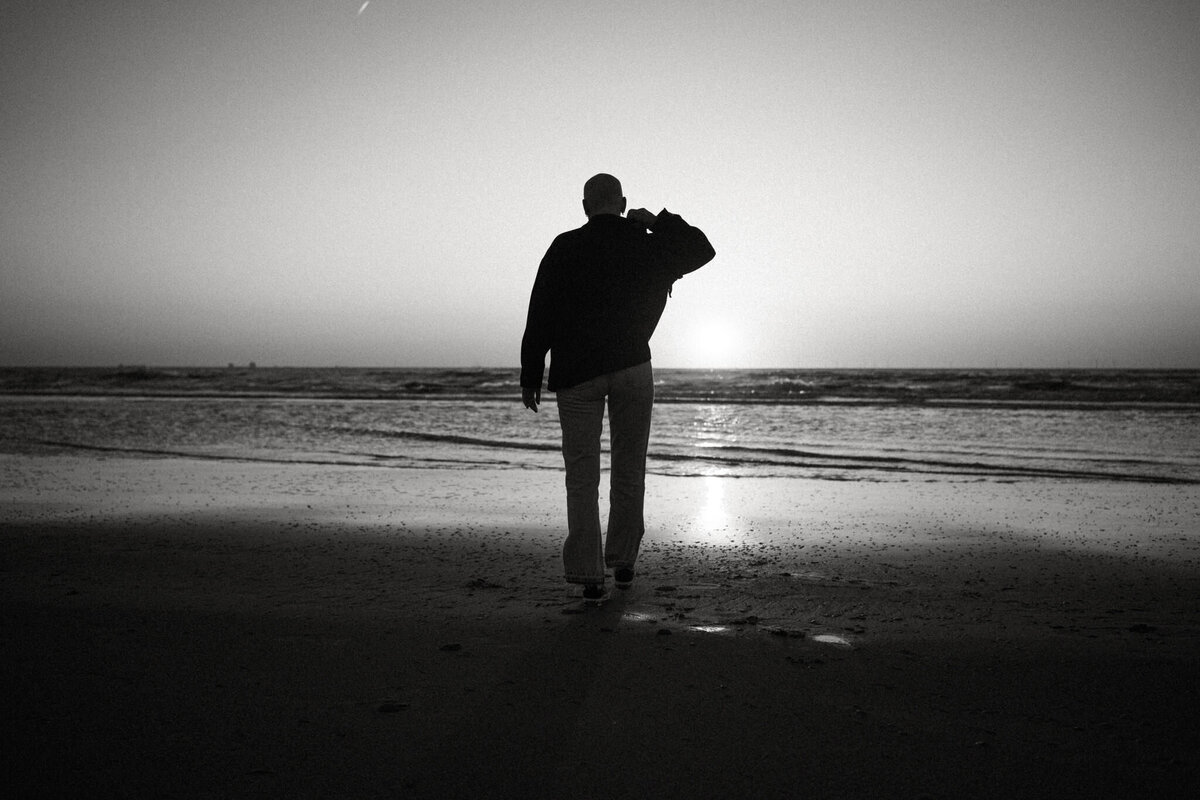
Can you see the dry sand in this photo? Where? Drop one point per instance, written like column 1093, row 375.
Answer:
column 226, row 629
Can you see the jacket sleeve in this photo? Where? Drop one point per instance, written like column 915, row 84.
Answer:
column 538, row 325
column 682, row 248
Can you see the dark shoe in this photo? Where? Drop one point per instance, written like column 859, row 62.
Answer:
column 623, row 577
column 594, row 593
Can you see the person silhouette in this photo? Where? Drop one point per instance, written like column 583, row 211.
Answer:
column 599, row 293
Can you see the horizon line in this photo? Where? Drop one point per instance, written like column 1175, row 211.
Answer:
column 254, row 365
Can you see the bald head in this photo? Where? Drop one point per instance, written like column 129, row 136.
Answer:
column 602, row 195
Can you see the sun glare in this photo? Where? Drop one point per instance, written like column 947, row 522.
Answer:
column 712, row 516
column 712, row 344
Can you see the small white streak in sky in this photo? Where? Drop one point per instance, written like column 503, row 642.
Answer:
column 364, row 8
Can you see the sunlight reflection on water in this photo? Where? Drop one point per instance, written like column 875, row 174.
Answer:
column 829, row 638
column 712, row 516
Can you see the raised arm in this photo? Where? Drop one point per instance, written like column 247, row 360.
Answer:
column 682, row 248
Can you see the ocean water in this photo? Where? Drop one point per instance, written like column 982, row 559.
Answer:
column 1111, row 425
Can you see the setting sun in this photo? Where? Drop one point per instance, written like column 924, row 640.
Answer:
column 712, row 344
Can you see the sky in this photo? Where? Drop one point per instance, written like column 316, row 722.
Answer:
column 322, row 183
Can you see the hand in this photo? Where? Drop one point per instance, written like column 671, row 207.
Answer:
column 531, row 398
column 642, row 217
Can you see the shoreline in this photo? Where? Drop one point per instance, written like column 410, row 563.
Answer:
column 820, row 467
column 197, row 628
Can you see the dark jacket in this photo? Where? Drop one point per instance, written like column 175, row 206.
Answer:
column 599, row 293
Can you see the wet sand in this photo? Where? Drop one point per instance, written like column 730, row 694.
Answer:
column 210, row 629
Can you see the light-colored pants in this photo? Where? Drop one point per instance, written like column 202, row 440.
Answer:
column 630, row 395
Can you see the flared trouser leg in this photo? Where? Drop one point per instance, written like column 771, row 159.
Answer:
column 630, row 396
column 630, row 406
column 581, row 415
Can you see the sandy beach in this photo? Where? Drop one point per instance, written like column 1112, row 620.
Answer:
column 208, row 628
